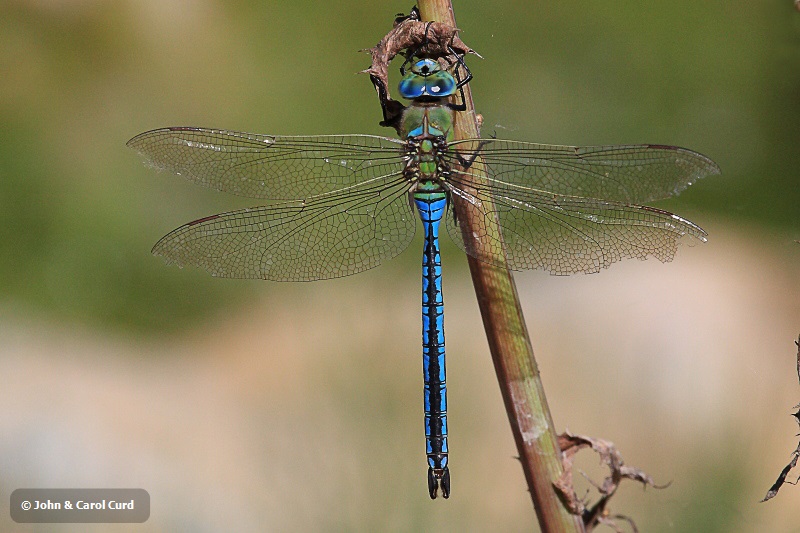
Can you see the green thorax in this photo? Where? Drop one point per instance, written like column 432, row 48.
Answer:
column 440, row 121
column 427, row 124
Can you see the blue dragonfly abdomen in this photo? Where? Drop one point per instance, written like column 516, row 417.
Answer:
column 431, row 208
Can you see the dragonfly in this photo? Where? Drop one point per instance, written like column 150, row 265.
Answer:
column 337, row 205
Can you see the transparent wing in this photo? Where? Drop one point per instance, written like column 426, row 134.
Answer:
column 627, row 174
column 559, row 229
column 327, row 236
column 269, row 166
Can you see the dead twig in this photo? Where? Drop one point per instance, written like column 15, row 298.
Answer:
column 773, row 490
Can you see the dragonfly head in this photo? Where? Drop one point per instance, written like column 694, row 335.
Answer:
column 426, row 78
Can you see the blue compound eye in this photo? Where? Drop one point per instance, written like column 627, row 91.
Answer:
column 440, row 84
column 412, row 86
column 427, row 78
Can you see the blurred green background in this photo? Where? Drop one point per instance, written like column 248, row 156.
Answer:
column 251, row 406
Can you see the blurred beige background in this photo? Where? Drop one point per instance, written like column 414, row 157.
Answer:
column 257, row 406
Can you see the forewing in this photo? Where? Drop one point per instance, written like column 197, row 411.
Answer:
column 328, row 236
column 269, row 166
column 628, row 174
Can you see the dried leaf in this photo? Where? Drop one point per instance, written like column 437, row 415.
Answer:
column 409, row 37
column 425, row 39
column 596, row 514
column 610, row 521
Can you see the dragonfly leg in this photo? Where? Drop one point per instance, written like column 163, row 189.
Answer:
column 459, row 82
column 392, row 109
column 460, row 61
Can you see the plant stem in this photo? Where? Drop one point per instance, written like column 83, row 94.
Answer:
column 510, row 346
